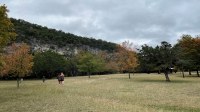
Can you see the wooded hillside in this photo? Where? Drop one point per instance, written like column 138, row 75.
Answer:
column 27, row 32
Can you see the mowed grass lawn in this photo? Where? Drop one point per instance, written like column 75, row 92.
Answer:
column 108, row 93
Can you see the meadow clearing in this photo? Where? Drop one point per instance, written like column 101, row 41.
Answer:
column 105, row 93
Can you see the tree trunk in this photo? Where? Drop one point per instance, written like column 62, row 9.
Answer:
column 159, row 71
column 198, row 73
column 183, row 72
column 18, row 82
column 88, row 74
column 189, row 72
column 71, row 73
column 167, row 77
column 175, row 70
column 129, row 75
column 167, row 74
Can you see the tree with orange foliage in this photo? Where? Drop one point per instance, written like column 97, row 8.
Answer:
column 190, row 51
column 6, row 30
column 17, row 61
column 126, row 57
column 110, row 61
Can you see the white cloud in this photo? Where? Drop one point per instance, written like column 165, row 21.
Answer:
column 139, row 21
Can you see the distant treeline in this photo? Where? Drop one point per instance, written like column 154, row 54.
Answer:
column 27, row 32
column 17, row 61
column 184, row 55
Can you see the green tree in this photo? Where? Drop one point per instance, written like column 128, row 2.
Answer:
column 147, row 57
column 6, row 27
column 159, row 58
column 89, row 63
column 72, row 66
column 166, row 58
column 48, row 63
column 182, row 62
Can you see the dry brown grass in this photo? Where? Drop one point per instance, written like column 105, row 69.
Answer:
column 109, row 93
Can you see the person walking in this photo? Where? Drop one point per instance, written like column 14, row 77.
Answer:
column 59, row 78
column 62, row 77
column 43, row 78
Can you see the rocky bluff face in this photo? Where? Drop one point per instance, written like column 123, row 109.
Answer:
column 67, row 50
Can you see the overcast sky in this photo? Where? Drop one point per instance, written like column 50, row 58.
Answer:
column 139, row 21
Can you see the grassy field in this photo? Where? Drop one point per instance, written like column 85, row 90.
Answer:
column 109, row 93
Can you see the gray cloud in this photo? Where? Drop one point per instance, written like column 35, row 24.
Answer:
column 139, row 21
